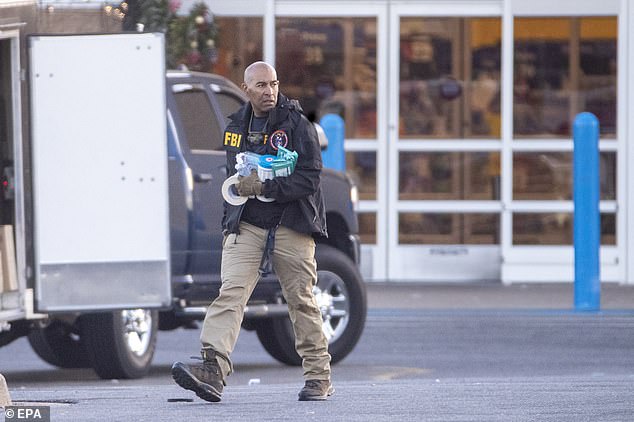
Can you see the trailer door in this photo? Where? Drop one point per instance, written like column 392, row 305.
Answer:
column 99, row 163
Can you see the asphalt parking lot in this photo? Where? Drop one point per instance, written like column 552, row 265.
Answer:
column 482, row 352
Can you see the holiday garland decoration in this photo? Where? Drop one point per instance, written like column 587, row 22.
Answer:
column 190, row 40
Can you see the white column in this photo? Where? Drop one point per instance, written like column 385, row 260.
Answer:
column 383, row 131
column 506, row 159
column 268, row 29
column 625, row 131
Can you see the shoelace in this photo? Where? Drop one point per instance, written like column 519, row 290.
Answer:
column 214, row 365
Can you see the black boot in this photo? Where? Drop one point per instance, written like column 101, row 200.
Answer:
column 205, row 378
column 316, row 390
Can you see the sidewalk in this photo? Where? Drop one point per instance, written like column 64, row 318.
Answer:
column 491, row 295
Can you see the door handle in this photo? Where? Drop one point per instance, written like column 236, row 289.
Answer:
column 203, row 177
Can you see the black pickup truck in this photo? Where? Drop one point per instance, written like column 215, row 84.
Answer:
column 121, row 344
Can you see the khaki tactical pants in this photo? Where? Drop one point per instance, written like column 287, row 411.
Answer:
column 295, row 266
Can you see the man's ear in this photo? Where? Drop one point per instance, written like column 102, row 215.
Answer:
column 243, row 86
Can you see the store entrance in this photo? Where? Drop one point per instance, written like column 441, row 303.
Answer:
column 456, row 183
column 444, row 212
column 420, row 96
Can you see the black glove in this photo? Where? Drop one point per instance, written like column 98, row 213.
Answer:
column 249, row 185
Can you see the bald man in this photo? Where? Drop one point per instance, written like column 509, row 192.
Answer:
column 259, row 233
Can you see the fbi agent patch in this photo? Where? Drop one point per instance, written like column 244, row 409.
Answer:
column 232, row 141
column 279, row 138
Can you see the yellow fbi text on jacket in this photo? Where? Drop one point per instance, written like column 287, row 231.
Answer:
column 233, row 139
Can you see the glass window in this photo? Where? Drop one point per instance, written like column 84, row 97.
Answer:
column 450, row 78
column 597, row 78
column 202, row 129
column 564, row 66
column 367, row 227
column 361, row 166
column 239, row 44
column 555, row 229
column 548, row 176
column 483, row 99
column 228, row 103
column 449, row 175
column 329, row 65
column 448, row 229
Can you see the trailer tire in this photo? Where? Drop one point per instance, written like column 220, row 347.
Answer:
column 120, row 344
column 341, row 295
column 57, row 343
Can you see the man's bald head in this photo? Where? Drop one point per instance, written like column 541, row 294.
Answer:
column 253, row 69
column 261, row 86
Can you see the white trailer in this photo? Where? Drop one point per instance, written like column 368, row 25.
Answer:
column 84, row 233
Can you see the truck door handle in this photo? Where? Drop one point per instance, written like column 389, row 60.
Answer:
column 203, row 177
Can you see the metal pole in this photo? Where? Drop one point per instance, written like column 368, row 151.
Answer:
column 586, row 215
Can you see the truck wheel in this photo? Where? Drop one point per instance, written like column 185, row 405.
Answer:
column 120, row 344
column 340, row 294
column 58, row 343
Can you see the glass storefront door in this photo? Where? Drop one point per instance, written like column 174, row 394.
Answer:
column 334, row 60
column 562, row 65
column 444, row 145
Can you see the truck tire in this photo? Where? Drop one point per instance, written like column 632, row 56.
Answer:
column 57, row 343
column 120, row 344
column 341, row 296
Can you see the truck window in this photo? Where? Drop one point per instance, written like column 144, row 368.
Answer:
column 228, row 103
column 201, row 126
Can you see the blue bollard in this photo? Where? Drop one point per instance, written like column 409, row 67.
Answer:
column 587, row 219
column 334, row 156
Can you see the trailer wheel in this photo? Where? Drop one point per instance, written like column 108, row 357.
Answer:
column 59, row 344
column 120, row 344
column 341, row 297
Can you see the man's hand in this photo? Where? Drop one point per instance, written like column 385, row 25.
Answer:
column 249, row 185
